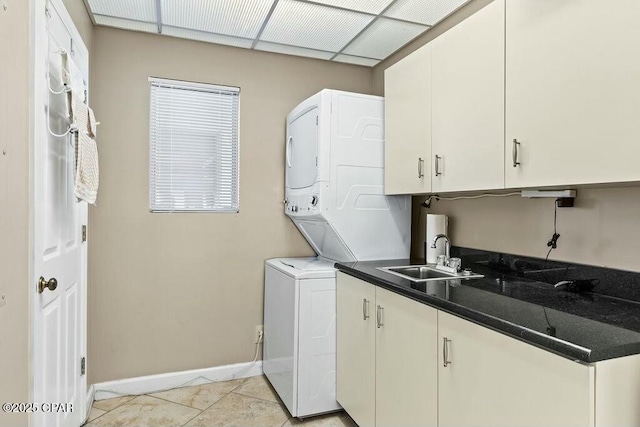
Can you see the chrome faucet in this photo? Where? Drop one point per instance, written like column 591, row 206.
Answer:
column 447, row 246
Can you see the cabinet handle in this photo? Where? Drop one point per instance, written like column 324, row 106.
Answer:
column 445, row 351
column 420, row 167
column 379, row 317
column 437, row 165
column 514, row 152
column 365, row 309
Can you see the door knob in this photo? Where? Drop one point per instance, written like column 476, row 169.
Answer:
column 52, row 284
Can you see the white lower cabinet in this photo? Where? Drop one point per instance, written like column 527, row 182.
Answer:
column 387, row 355
column 356, row 346
column 406, row 358
column 391, row 371
column 492, row 380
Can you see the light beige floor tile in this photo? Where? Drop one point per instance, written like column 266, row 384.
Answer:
column 111, row 404
column 146, row 411
column 95, row 413
column 238, row 410
column 201, row 396
column 258, row 387
column 340, row 419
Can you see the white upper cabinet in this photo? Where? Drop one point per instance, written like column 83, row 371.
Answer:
column 468, row 103
column 407, row 148
column 572, row 92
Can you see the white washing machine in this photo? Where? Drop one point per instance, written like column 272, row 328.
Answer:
column 299, row 355
column 334, row 191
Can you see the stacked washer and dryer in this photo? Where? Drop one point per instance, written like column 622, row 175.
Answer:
column 334, row 190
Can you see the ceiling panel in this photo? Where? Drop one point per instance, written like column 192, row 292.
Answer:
column 242, row 18
column 125, row 24
column 425, row 12
column 357, row 60
column 206, row 37
column 369, row 6
column 139, row 10
column 293, row 50
column 384, row 37
column 313, row 26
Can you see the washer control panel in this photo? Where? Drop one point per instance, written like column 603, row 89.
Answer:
column 302, row 205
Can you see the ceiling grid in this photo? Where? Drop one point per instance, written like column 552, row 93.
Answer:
column 361, row 32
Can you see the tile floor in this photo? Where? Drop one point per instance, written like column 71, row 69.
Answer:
column 245, row 402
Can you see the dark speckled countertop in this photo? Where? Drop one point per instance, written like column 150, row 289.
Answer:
column 586, row 326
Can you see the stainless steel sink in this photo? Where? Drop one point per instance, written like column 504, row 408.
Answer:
column 426, row 273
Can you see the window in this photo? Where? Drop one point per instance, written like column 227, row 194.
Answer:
column 193, row 142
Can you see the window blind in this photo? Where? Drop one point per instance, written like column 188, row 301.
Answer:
column 193, row 147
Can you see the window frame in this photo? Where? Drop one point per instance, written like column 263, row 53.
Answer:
column 196, row 87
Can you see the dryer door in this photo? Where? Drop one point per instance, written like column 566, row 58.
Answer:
column 302, row 150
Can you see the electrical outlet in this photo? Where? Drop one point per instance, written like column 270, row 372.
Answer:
column 259, row 334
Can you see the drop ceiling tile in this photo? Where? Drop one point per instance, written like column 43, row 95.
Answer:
column 293, row 50
column 126, row 24
column 427, row 12
column 241, row 18
column 384, row 37
column 206, row 37
column 313, row 26
column 369, row 6
column 357, row 60
column 139, row 10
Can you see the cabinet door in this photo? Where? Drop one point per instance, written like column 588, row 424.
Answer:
column 356, row 349
column 407, row 146
column 572, row 91
column 468, row 103
column 406, row 362
column 493, row 380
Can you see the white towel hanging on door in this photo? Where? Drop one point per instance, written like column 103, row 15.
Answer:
column 87, row 176
column 87, row 171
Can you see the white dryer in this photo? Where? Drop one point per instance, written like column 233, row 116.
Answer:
column 334, row 191
column 334, row 185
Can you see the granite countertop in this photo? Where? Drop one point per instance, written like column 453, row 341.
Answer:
column 587, row 326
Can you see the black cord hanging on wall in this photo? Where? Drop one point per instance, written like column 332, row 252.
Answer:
column 553, row 241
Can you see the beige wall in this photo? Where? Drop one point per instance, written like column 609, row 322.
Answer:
column 602, row 229
column 81, row 19
column 14, row 208
column 169, row 292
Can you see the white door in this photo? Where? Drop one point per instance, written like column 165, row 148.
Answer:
column 356, row 346
column 572, row 92
column 407, row 124
column 406, row 362
column 59, row 325
column 492, row 380
column 468, row 103
column 302, row 150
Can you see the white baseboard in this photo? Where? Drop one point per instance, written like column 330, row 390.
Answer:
column 155, row 383
column 89, row 402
